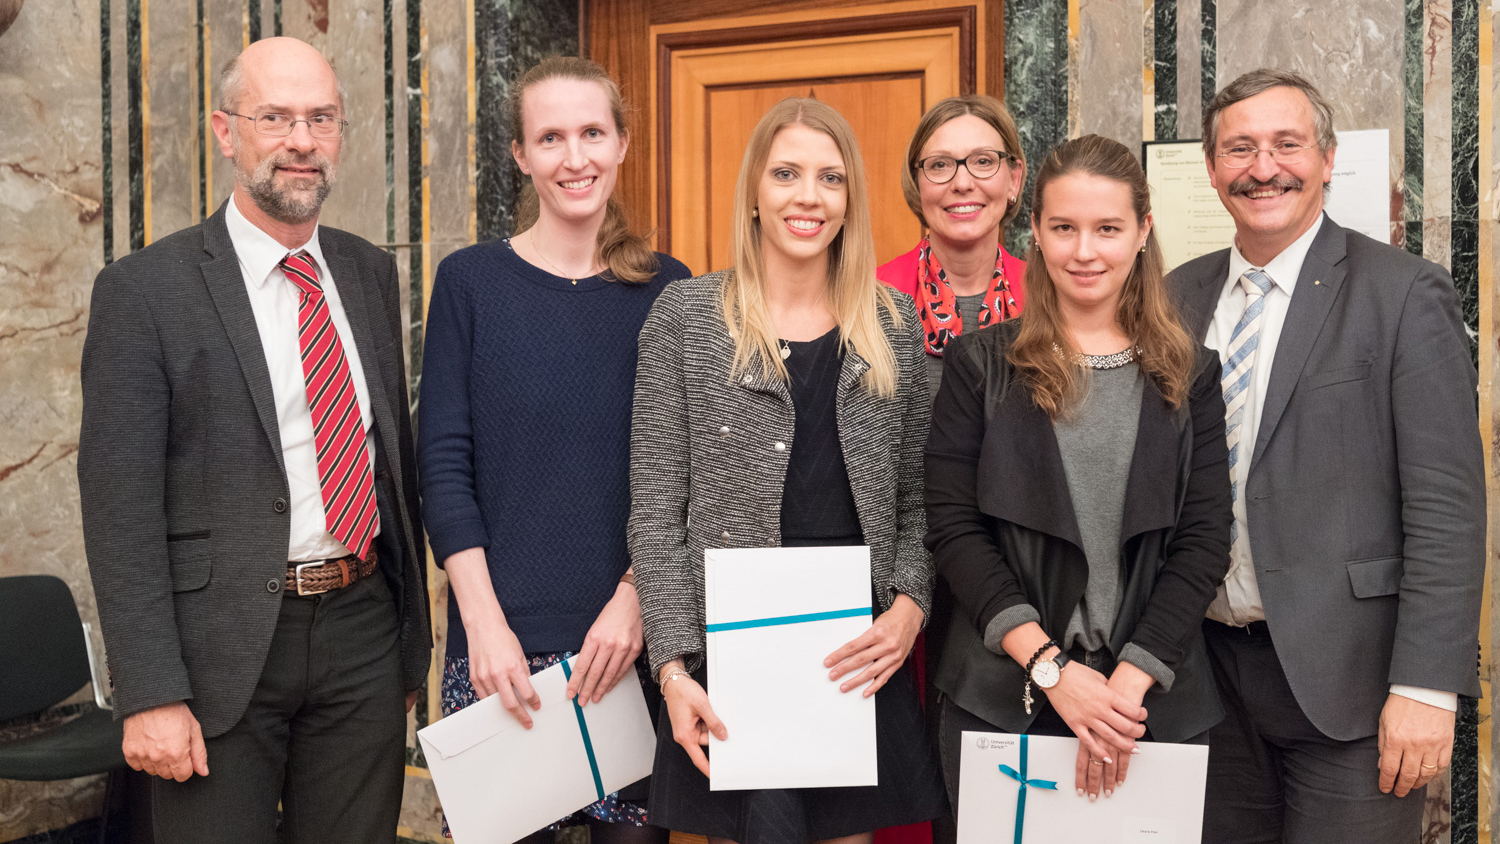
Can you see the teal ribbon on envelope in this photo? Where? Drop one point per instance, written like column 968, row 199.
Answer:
column 1021, row 796
column 588, row 746
column 786, row 619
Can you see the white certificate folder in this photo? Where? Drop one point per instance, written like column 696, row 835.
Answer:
column 1021, row 790
column 499, row 782
column 772, row 616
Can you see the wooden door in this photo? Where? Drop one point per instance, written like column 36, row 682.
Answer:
column 881, row 65
column 882, row 83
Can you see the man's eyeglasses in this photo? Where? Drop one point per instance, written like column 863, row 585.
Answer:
column 1242, row 155
column 281, row 125
column 981, row 164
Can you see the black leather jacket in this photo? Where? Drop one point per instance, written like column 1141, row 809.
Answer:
column 1002, row 531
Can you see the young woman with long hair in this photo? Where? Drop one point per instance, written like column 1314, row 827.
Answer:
column 1078, row 490
column 527, row 382
column 783, row 402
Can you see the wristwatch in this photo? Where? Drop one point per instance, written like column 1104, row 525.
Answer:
column 1044, row 672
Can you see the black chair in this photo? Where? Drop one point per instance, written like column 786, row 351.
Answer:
column 46, row 658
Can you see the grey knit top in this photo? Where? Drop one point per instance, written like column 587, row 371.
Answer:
column 968, row 311
column 1097, row 441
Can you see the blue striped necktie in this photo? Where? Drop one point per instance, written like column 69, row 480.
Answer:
column 1239, row 372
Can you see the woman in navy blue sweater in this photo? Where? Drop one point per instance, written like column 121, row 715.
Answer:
column 524, row 423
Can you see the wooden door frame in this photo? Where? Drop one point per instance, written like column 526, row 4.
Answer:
column 664, row 43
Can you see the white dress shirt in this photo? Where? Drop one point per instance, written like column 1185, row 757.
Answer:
column 1237, row 600
column 274, row 301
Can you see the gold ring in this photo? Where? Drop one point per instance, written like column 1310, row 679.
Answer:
column 1430, row 767
column 1095, row 762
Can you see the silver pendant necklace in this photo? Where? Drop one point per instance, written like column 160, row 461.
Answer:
column 786, row 349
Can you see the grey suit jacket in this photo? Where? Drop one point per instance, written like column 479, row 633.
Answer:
column 1365, row 498
column 185, row 499
column 705, row 472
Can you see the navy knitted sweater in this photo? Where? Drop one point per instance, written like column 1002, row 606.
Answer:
column 524, row 434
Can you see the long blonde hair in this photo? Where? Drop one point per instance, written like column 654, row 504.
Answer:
column 626, row 255
column 855, row 297
column 1146, row 313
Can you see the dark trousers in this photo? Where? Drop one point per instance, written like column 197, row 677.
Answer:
column 1274, row 778
column 324, row 734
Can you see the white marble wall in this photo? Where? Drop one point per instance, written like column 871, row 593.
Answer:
column 50, row 248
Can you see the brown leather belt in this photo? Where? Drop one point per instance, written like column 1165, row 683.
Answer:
column 321, row 576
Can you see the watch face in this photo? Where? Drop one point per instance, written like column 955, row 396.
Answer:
column 1046, row 673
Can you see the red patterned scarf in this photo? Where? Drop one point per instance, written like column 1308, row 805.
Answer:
column 937, row 305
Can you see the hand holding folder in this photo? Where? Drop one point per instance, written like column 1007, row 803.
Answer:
column 773, row 616
column 499, row 782
column 1019, row 789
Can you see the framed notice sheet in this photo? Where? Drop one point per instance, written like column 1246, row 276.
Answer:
column 1190, row 220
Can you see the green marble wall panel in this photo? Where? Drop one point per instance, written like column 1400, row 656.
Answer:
column 1208, row 29
column 512, row 36
column 1414, row 67
column 1163, row 50
column 1036, row 91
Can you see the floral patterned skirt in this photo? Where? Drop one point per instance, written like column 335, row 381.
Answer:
column 458, row 692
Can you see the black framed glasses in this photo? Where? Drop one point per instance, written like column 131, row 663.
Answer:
column 981, row 164
column 280, row 125
column 1241, row 156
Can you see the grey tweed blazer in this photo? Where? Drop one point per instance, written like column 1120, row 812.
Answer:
column 706, row 472
column 184, row 492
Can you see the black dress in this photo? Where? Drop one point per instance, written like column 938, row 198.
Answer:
column 817, row 509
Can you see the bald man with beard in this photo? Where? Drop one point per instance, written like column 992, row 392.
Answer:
column 249, row 491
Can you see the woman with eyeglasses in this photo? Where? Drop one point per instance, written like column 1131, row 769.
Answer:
column 964, row 172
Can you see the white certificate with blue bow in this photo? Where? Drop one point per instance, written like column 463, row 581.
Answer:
column 1015, row 789
column 772, row 616
column 499, row 782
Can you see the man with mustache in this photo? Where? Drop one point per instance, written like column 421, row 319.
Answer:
column 249, row 491
column 1348, row 623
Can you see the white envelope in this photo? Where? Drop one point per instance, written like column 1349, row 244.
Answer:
column 499, row 782
column 789, row 725
column 1161, row 801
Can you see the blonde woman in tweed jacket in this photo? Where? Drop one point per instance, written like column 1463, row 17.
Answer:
column 783, row 402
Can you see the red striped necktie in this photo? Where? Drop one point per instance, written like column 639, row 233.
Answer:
column 343, row 462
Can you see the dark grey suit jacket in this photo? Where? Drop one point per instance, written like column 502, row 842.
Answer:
column 1365, row 497
column 185, row 499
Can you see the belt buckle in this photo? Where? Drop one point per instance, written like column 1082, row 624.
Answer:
column 300, row 590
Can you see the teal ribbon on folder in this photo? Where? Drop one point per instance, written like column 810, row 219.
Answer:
column 786, row 619
column 1021, row 796
column 588, row 746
